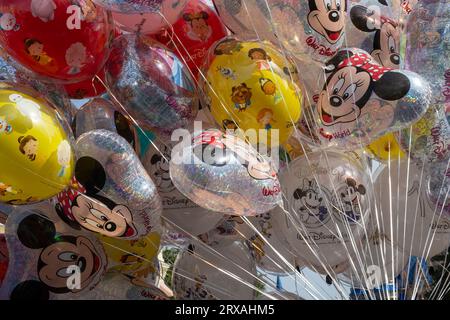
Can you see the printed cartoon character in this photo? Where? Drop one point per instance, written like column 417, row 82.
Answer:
column 227, row 73
column 354, row 77
column 35, row 49
column 267, row 86
column 8, row 22
column 229, row 225
column 88, row 9
column 199, row 28
column 58, row 253
column 160, row 171
column 265, row 118
column 215, row 148
column 64, row 153
column 309, row 203
column 227, row 46
column 43, row 9
column 350, row 195
column 76, row 57
column 7, row 189
column 228, row 124
column 257, row 247
column 386, row 43
column 261, row 58
column 241, row 96
column 28, row 146
column 4, row 126
column 327, row 17
column 198, row 292
column 85, row 208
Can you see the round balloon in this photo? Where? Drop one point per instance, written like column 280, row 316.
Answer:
column 327, row 206
column 65, row 40
column 193, row 34
column 147, row 22
column 36, row 150
column 151, row 83
column 249, row 85
column 407, row 212
column 4, row 257
column 88, row 88
column 214, row 168
column 362, row 100
column 203, row 274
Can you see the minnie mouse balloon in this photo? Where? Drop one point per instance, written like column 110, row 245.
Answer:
column 63, row 40
column 327, row 205
column 114, row 196
column 193, row 34
column 407, row 210
column 214, row 168
column 45, row 254
column 148, row 22
column 151, row 83
column 373, row 29
column 179, row 213
column 100, row 113
column 362, row 100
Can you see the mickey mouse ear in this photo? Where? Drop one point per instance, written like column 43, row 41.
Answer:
column 30, row 290
column 90, row 174
column 123, row 127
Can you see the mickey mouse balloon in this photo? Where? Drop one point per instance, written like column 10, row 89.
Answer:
column 112, row 194
column 362, row 100
column 45, row 257
column 36, row 154
column 65, row 40
column 214, row 168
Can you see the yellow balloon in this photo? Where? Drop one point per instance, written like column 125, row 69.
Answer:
column 36, row 157
column 385, row 148
column 250, row 85
column 132, row 257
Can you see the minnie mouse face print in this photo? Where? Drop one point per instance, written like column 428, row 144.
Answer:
column 362, row 100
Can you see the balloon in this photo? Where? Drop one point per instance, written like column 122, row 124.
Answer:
column 406, row 211
column 43, row 256
column 112, row 194
column 385, row 148
column 151, row 83
column 88, row 88
column 179, row 213
column 427, row 40
column 228, row 230
column 438, row 186
column 36, row 157
column 362, row 100
column 138, row 6
column 216, row 167
column 428, row 140
column 373, row 28
column 202, row 273
column 327, row 205
column 249, row 85
column 100, row 113
column 63, row 40
column 133, row 258
column 4, row 258
column 144, row 22
column 193, row 34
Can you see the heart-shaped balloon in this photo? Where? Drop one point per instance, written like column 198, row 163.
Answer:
column 362, row 100
column 213, row 168
column 49, row 260
column 115, row 196
column 151, row 83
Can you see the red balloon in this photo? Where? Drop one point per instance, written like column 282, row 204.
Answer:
column 193, row 34
column 65, row 40
column 88, row 88
column 4, row 257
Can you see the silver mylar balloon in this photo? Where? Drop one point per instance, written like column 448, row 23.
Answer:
column 100, row 113
column 42, row 255
column 223, row 173
column 327, row 206
column 202, row 273
column 115, row 196
column 362, row 100
column 407, row 211
column 428, row 140
column 427, row 39
column 151, row 83
column 179, row 213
